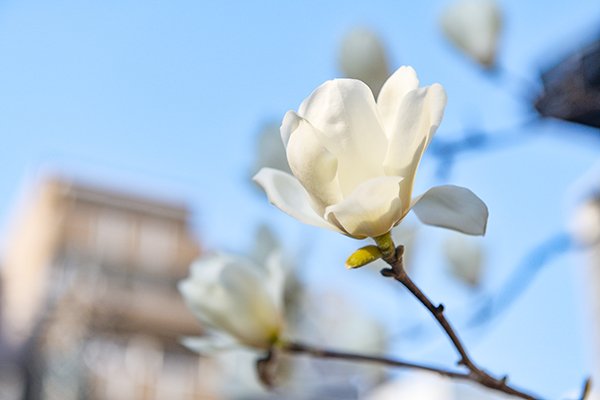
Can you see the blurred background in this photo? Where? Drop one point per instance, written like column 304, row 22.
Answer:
column 131, row 130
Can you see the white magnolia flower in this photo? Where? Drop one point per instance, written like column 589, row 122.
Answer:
column 474, row 27
column 465, row 257
column 362, row 56
column 355, row 160
column 238, row 303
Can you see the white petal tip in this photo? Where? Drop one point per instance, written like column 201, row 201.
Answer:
column 452, row 207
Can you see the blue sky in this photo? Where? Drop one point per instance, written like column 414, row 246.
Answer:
column 167, row 97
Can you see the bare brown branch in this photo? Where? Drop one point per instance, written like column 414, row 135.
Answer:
column 300, row 348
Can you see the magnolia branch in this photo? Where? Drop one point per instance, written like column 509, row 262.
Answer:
column 476, row 374
column 301, row 348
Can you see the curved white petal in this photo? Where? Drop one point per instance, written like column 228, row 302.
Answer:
column 393, row 91
column 209, row 345
column 452, row 207
column 345, row 115
column 276, row 277
column 415, row 121
column 255, row 319
column 372, row 209
column 286, row 193
column 288, row 125
column 313, row 165
column 205, row 297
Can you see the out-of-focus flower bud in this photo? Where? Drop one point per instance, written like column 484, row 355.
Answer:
column 362, row 56
column 474, row 27
column 465, row 258
column 585, row 224
column 238, row 302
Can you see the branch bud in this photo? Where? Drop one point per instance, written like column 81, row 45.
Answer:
column 363, row 256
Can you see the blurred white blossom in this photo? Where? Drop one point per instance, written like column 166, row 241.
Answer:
column 355, row 160
column 474, row 27
column 238, row 302
column 266, row 244
column 362, row 56
column 465, row 258
column 585, row 223
column 583, row 201
column 428, row 386
column 333, row 321
column 414, row 386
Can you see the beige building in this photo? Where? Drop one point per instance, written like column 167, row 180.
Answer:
column 90, row 279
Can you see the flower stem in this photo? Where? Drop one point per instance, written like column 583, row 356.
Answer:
column 385, row 244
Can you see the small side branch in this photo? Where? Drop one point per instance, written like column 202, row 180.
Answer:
column 301, row 348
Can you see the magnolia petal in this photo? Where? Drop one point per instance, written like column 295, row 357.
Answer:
column 345, row 115
column 393, row 91
column 254, row 319
column 208, row 301
column 313, row 165
column 286, row 193
column 209, row 345
column 288, row 125
column 230, row 294
column 372, row 209
column 452, row 207
column 416, row 120
column 276, row 277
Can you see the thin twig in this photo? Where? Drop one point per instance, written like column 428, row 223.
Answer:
column 476, row 374
column 301, row 348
